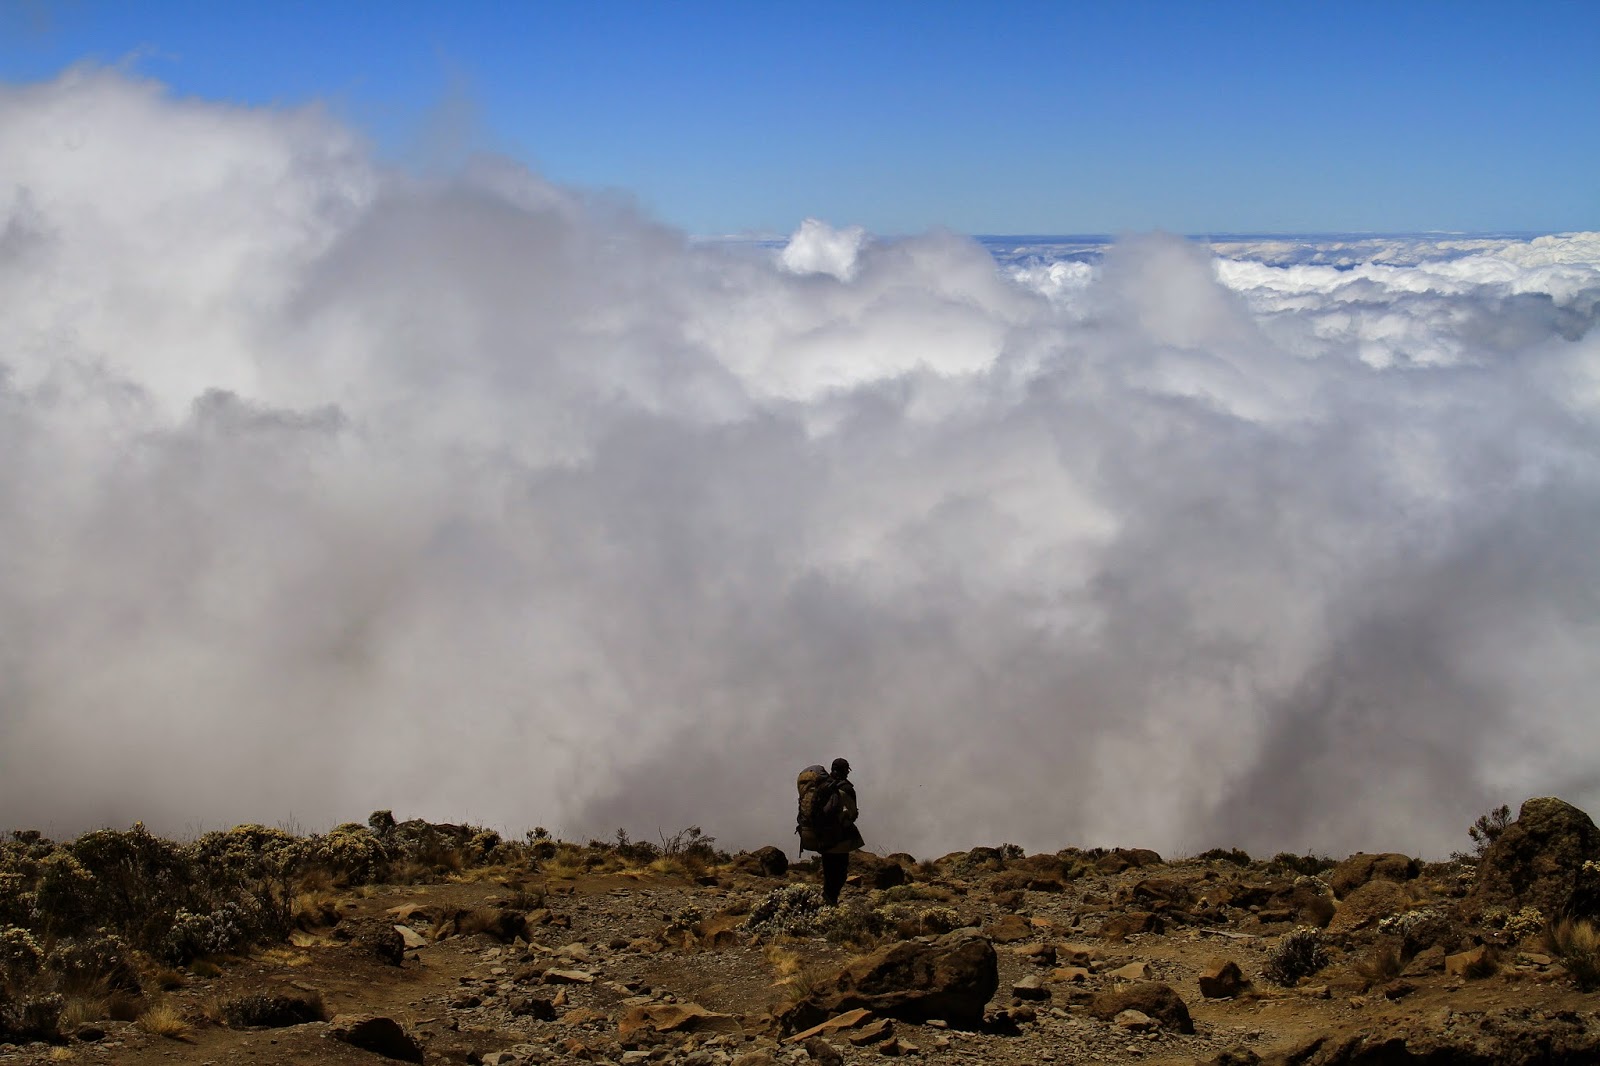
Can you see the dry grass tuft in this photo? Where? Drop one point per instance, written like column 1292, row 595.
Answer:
column 1383, row 965
column 168, row 979
column 205, row 968
column 62, row 1054
column 163, row 1019
column 806, row 982
column 80, row 1010
column 1576, row 943
column 785, row 962
column 315, row 909
column 122, row 1007
column 211, row 1010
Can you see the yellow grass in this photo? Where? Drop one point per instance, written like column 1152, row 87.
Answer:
column 163, row 1019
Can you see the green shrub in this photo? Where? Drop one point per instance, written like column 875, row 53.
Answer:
column 1308, row 865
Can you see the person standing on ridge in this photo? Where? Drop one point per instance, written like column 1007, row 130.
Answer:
column 827, row 822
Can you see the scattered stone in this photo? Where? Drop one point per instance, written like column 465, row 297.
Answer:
column 377, row 1034
column 871, row 1033
column 568, row 977
column 1130, row 923
column 535, row 1007
column 1135, row 1020
column 824, row 1053
column 1133, row 971
column 1474, row 962
column 848, row 1020
column 1030, row 987
column 1009, row 929
column 1221, row 979
column 411, row 938
column 675, row 1018
column 1426, row 961
column 1070, row 974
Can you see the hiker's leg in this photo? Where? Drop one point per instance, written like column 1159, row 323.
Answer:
column 834, row 869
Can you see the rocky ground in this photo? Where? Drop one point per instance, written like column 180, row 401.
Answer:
column 980, row 957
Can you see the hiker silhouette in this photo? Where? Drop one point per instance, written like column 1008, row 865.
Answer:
column 827, row 822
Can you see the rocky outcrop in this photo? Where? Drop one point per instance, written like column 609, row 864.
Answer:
column 1361, row 868
column 952, row 978
column 1368, row 904
column 1537, row 861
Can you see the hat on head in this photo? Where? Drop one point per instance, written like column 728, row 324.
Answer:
column 841, row 766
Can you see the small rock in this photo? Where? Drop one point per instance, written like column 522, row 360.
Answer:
column 1009, row 929
column 1473, row 962
column 568, row 977
column 1134, row 971
column 1030, row 987
column 1134, row 1020
column 823, row 1052
column 411, row 938
column 1221, row 979
column 871, row 1033
column 531, row 1007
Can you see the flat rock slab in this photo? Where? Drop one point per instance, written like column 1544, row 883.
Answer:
column 675, row 1018
column 848, row 1020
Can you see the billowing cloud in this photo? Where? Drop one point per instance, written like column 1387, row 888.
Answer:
column 326, row 488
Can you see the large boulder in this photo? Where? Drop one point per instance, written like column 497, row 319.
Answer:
column 1152, row 998
column 1367, row 905
column 1538, row 860
column 872, row 871
column 766, row 861
column 1360, row 868
column 377, row 1034
column 951, row 978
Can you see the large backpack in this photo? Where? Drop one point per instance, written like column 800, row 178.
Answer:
column 817, row 820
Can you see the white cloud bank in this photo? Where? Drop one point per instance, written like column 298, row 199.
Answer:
column 325, row 489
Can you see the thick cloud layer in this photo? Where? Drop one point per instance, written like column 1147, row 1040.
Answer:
column 324, row 489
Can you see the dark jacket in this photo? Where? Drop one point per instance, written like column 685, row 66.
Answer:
column 848, row 837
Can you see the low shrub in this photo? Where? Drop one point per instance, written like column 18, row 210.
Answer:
column 1298, row 954
column 1308, row 864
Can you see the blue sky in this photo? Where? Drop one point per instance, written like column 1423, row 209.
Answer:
column 1006, row 118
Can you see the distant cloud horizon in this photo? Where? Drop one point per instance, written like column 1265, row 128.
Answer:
column 327, row 486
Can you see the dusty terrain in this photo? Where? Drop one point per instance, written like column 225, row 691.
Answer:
column 588, row 967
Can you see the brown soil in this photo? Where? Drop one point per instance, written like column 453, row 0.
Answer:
column 456, row 994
